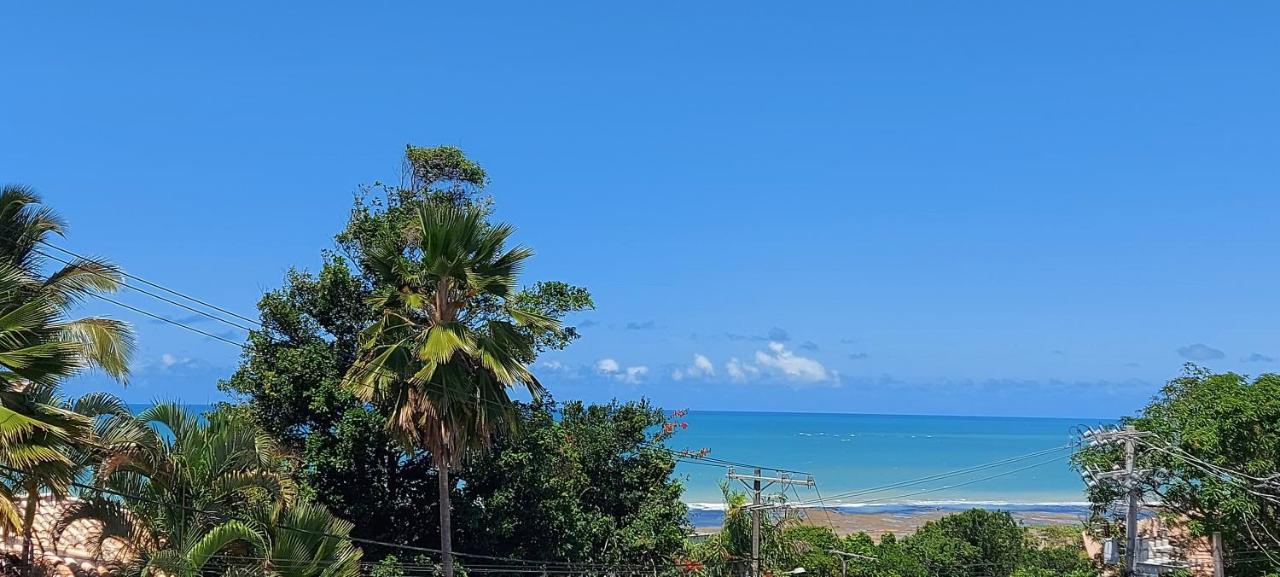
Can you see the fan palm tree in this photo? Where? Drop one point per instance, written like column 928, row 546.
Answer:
column 440, row 366
column 190, row 482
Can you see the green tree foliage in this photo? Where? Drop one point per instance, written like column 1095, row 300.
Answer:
column 728, row 552
column 203, row 495
column 1224, row 420
column 101, row 343
column 577, row 485
column 442, row 374
column 583, row 485
column 41, row 434
column 975, row 543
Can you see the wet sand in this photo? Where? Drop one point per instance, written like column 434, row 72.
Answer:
column 877, row 524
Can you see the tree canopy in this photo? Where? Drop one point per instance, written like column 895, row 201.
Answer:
column 565, row 482
column 1203, row 424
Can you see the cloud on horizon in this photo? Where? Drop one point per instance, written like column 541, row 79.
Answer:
column 701, row 368
column 1258, row 358
column 792, row 366
column 612, row 369
column 775, row 334
column 641, row 325
column 1200, row 352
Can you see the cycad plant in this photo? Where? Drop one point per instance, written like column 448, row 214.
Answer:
column 435, row 359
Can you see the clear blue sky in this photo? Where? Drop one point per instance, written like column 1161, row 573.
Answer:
column 1011, row 208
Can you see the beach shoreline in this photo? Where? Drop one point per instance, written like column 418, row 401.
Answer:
column 900, row 522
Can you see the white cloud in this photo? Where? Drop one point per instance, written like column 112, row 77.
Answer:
column 168, row 360
column 552, row 365
column 632, row 374
column 607, row 366
column 740, row 371
column 703, row 365
column 700, row 368
column 791, row 365
column 611, row 368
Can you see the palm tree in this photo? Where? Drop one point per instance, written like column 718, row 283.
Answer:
column 39, row 431
column 308, row 541
column 434, row 359
column 189, row 483
column 70, row 446
column 39, row 347
column 25, row 225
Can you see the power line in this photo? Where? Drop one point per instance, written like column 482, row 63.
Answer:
column 942, row 475
column 955, row 485
column 161, row 298
column 353, row 539
column 166, row 320
column 705, row 460
column 153, row 284
column 716, row 461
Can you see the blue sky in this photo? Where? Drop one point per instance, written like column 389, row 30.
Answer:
column 1005, row 208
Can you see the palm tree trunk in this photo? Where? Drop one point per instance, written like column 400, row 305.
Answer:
column 28, row 523
column 446, row 535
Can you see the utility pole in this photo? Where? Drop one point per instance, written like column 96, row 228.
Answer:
column 755, row 525
column 757, row 504
column 1129, row 477
column 844, row 560
column 1135, row 495
column 1218, row 569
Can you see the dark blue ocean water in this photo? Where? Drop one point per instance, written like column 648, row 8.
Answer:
column 848, row 452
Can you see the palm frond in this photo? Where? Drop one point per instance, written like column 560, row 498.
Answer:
column 220, row 537
column 105, row 344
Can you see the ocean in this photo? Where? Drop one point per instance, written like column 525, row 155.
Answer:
column 847, row 454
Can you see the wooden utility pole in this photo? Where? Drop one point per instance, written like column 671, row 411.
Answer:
column 1218, row 569
column 757, row 504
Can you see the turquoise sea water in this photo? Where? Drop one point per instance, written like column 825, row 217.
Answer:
column 849, row 452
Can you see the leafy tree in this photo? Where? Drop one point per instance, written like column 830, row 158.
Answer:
column 580, row 484
column 974, row 542
column 728, row 552
column 1205, row 421
column 445, row 378
column 189, row 481
column 290, row 381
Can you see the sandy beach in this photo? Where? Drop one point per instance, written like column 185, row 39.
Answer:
column 846, row 523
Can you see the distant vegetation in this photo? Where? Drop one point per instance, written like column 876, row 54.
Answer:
column 372, row 421
column 975, row 543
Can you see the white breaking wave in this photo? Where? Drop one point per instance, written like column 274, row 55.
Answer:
column 946, row 503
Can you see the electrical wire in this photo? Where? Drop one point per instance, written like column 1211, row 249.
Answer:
column 704, row 460
column 942, row 475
